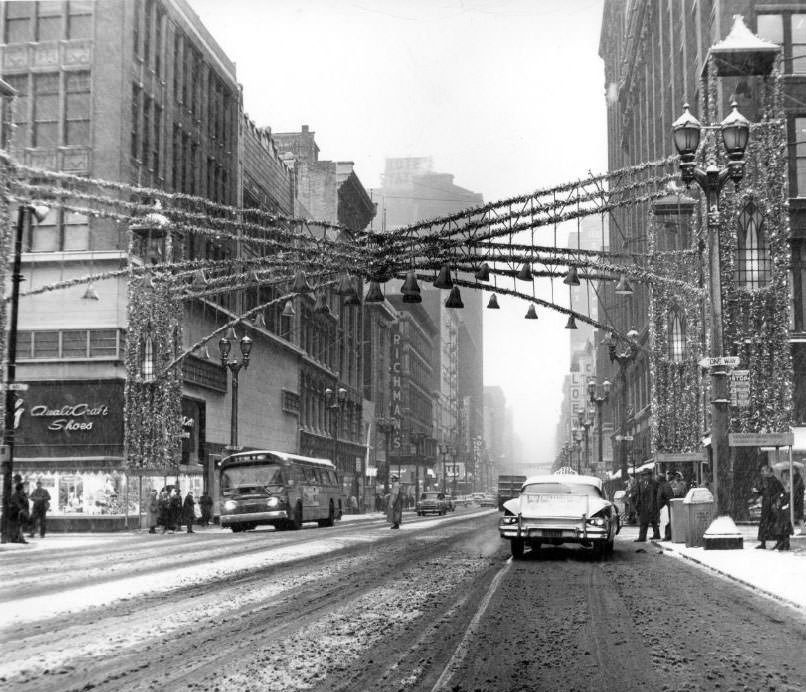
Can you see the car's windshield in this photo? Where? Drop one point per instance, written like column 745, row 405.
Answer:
column 562, row 488
column 262, row 478
column 431, row 496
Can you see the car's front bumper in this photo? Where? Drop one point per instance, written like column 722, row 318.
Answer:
column 250, row 517
column 567, row 532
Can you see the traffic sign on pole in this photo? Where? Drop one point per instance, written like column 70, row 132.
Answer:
column 713, row 361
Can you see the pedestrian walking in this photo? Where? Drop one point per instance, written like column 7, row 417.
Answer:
column 189, row 511
column 17, row 514
column 175, row 500
column 152, row 511
column 206, row 507
column 771, row 491
column 395, row 506
column 664, row 494
column 165, row 515
column 41, row 500
column 645, row 500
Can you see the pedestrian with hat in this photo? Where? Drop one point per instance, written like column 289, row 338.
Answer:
column 394, row 510
column 646, row 506
column 41, row 499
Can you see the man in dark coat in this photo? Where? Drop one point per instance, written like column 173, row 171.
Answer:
column 394, row 511
column 646, row 505
column 176, row 508
column 165, row 517
column 771, row 491
column 665, row 493
column 188, row 511
column 17, row 514
column 41, row 500
column 206, row 507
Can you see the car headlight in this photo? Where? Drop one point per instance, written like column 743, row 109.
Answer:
column 230, row 505
column 596, row 521
column 272, row 502
column 510, row 519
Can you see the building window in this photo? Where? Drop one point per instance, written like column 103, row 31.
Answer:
column 677, row 336
column 16, row 112
column 48, row 20
column 788, row 29
column 79, row 19
column 753, row 264
column 60, row 230
column 77, row 108
column 46, row 110
column 800, row 156
column 18, row 22
column 46, row 345
column 136, row 95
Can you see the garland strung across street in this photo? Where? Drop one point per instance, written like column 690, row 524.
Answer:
column 275, row 248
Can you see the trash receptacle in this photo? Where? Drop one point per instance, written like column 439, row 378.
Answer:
column 699, row 510
column 679, row 519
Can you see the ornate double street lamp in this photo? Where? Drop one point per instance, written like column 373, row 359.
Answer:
column 444, row 450
column 598, row 400
column 335, row 399
column 225, row 346
column 578, row 447
column 24, row 214
column 735, row 131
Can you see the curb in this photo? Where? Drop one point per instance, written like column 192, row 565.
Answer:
column 738, row 580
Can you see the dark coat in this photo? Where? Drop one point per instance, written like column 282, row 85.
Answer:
column 664, row 494
column 165, row 514
column 153, row 511
column 188, row 513
column 797, row 489
column 176, row 508
column 771, row 494
column 646, row 500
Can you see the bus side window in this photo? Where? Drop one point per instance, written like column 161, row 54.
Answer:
column 334, row 481
column 310, row 474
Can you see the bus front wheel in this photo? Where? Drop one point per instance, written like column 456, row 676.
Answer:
column 295, row 522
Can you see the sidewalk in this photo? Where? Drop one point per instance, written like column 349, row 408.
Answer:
column 780, row 575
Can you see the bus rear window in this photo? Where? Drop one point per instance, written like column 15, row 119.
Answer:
column 244, row 479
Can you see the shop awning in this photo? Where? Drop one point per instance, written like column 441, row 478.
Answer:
column 799, row 436
column 649, row 465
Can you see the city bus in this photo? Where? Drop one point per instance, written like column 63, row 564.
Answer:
column 279, row 489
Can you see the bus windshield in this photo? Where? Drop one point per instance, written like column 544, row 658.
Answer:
column 263, row 478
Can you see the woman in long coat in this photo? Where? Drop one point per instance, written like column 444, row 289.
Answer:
column 165, row 513
column 152, row 512
column 771, row 491
column 188, row 511
column 394, row 510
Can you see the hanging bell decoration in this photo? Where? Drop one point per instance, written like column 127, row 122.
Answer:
column 374, row 294
column 91, row 293
column 254, row 277
column 320, row 306
column 232, row 335
column 443, row 280
column 483, row 272
column 623, row 287
column 571, row 323
column 410, row 286
column 288, row 309
column 345, row 286
column 572, row 277
column 353, row 297
column 301, row 284
column 412, row 298
column 199, row 280
column 454, row 299
column 531, row 313
column 260, row 321
column 525, row 272
column 492, row 304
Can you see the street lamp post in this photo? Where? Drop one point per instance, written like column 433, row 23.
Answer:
column 623, row 358
column 335, row 400
column 598, row 400
column 686, row 132
column 235, row 367
column 386, row 426
column 586, row 421
column 578, row 447
column 24, row 214
column 443, row 450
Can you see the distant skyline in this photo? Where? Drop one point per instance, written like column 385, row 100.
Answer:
column 506, row 95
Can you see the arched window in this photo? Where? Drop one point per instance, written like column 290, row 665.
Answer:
column 753, row 265
column 677, row 335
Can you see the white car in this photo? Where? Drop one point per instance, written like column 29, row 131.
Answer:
column 558, row 509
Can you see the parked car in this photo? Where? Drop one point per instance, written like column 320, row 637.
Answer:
column 431, row 502
column 489, row 500
column 557, row 509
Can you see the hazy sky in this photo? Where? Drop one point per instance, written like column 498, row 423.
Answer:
column 507, row 95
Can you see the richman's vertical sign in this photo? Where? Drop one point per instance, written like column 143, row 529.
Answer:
column 396, row 389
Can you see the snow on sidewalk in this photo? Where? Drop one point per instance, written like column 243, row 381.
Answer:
column 780, row 574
